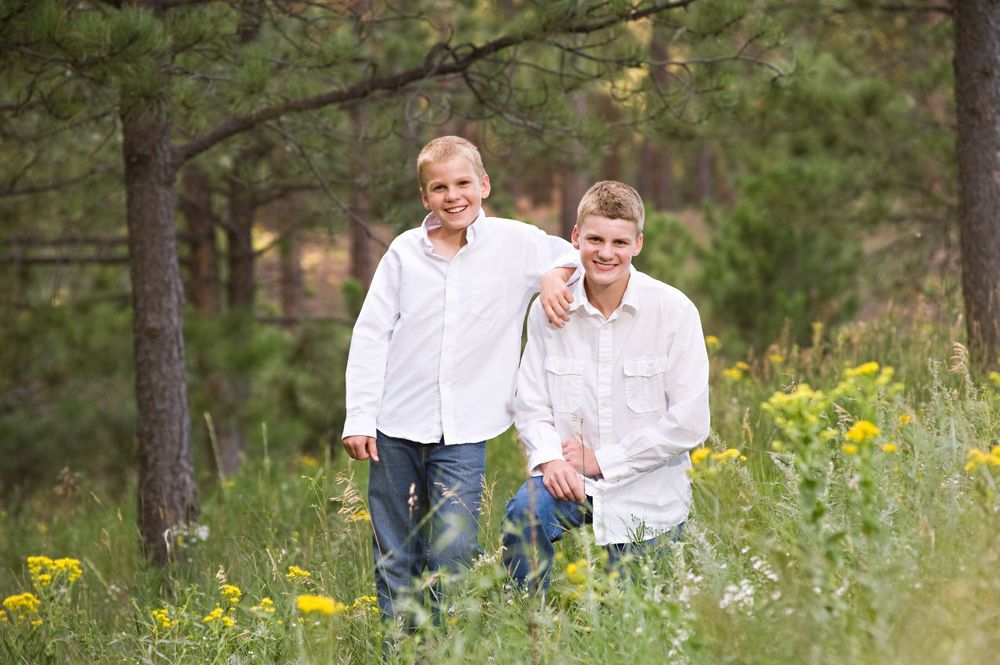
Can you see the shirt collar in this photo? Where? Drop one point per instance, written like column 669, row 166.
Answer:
column 431, row 222
column 630, row 298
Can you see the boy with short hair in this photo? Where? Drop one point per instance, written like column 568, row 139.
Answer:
column 608, row 406
column 433, row 362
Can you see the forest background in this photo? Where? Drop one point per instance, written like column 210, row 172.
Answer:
column 194, row 194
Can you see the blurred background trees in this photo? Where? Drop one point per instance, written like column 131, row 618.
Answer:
column 254, row 159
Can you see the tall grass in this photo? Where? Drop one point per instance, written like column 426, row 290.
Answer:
column 805, row 551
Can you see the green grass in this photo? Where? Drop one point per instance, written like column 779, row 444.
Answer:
column 757, row 578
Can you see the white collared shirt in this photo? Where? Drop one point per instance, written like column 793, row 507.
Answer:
column 635, row 386
column 435, row 348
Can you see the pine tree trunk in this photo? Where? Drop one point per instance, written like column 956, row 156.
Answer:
column 292, row 278
column 167, row 493
column 977, row 97
column 239, row 234
column 204, row 284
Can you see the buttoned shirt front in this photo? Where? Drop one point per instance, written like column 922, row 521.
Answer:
column 635, row 387
column 435, row 348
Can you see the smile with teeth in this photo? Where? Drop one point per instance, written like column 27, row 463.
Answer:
column 456, row 210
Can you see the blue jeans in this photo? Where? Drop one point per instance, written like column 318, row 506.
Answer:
column 424, row 501
column 537, row 519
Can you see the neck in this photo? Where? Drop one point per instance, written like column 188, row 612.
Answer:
column 606, row 298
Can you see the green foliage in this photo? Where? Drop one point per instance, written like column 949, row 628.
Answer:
column 900, row 527
column 669, row 252
column 777, row 261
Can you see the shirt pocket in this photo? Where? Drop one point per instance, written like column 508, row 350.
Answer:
column 644, row 384
column 565, row 379
column 486, row 295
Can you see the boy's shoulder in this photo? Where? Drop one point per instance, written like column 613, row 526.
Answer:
column 660, row 294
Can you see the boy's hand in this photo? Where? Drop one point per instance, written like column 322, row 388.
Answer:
column 361, row 447
column 554, row 295
column 581, row 458
column 562, row 481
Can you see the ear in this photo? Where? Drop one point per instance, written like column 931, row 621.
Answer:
column 575, row 237
column 485, row 186
column 638, row 245
column 423, row 197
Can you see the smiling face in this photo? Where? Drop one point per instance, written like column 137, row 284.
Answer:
column 606, row 249
column 454, row 192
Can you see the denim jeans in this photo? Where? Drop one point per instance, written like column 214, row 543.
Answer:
column 536, row 520
column 424, row 501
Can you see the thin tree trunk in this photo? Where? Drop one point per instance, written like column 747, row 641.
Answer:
column 292, row 279
column 704, row 183
column 167, row 492
column 362, row 265
column 977, row 97
column 204, row 284
column 656, row 181
column 239, row 233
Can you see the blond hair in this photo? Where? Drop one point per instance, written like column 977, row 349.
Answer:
column 614, row 200
column 444, row 148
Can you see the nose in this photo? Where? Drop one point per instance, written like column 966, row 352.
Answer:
column 605, row 251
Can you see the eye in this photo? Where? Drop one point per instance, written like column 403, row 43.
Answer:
column 437, row 188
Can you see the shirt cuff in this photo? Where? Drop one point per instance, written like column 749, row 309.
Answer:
column 569, row 260
column 545, row 447
column 613, row 463
column 359, row 425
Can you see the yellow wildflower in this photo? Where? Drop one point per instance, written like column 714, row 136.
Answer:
column 712, row 342
column 732, row 373
column 905, row 419
column 231, row 593
column 776, row 358
column 862, row 370
column 23, row 606
column 995, row 379
column 742, row 366
column 889, row 447
column 977, row 457
column 228, row 622
column 862, row 430
column 728, row 454
column 295, row 573
column 576, row 572
column 214, row 615
column 698, row 455
column 849, row 449
column 361, row 516
column 45, row 571
column 266, row 606
column 162, row 619
column 308, row 604
column 309, row 460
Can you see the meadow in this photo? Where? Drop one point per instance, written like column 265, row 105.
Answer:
column 845, row 510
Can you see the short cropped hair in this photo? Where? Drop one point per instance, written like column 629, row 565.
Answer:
column 614, row 200
column 444, row 148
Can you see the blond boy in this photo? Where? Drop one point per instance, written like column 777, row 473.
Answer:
column 433, row 362
column 608, row 406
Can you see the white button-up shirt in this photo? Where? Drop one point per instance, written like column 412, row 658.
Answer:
column 435, row 348
column 635, row 386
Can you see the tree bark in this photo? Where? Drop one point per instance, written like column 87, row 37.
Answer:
column 977, row 98
column 167, row 492
column 362, row 264
column 292, row 285
column 204, row 283
column 239, row 234
column 656, row 182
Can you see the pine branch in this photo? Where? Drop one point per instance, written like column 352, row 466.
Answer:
column 441, row 60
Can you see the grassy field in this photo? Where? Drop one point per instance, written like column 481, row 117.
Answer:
column 844, row 512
